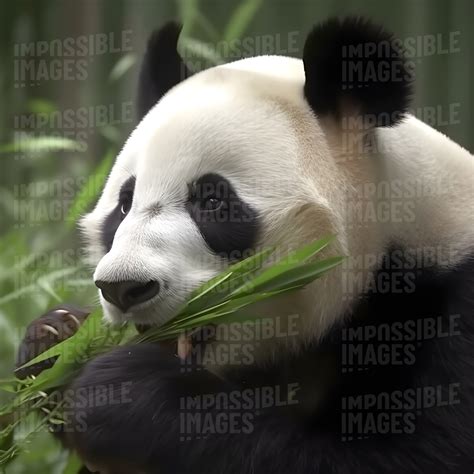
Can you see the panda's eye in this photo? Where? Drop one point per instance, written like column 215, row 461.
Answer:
column 211, row 204
column 124, row 208
column 125, row 205
column 207, row 195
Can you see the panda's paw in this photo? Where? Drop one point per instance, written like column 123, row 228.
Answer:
column 115, row 406
column 44, row 332
column 123, row 409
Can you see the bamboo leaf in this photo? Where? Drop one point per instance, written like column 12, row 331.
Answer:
column 41, row 106
column 241, row 19
column 207, row 26
column 200, row 50
column 294, row 275
column 188, row 10
column 216, row 289
column 123, row 65
column 73, row 465
column 41, row 144
column 91, row 189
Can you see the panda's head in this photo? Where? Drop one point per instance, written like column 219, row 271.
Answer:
column 226, row 161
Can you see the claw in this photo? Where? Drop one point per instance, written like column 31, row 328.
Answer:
column 51, row 329
column 76, row 321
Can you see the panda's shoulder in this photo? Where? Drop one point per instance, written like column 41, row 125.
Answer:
column 270, row 65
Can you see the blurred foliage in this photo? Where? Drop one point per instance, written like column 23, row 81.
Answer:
column 51, row 173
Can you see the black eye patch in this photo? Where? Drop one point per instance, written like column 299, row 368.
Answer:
column 115, row 218
column 228, row 224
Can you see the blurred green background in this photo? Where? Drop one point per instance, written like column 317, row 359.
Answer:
column 64, row 117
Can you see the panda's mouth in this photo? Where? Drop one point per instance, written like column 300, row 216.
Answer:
column 145, row 315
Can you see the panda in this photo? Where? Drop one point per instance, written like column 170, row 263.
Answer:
column 277, row 151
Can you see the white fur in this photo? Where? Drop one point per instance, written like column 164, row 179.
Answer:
column 249, row 122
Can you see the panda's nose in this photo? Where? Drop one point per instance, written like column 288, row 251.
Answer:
column 125, row 294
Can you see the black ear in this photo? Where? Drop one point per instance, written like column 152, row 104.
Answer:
column 162, row 67
column 354, row 67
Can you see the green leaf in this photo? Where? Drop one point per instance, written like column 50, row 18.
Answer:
column 41, row 144
column 9, row 385
column 41, row 106
column 216, row 289
column 207, row 26
column 187, row 12
column 73, row 465
column 241, row 19
column 19, row 293
column 309, row 251
column 194, row 48
column 111, row 133
column 90, row 190
column 297, row 276
column 124, row 64
column 292, row 261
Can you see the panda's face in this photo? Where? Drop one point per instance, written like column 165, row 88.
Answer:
column 201, row 182
column 236, row 158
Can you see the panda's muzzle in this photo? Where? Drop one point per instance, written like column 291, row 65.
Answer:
column 125, row 294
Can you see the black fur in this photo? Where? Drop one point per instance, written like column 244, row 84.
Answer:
column 232, row 229
column 124, row 410
column 334, row 87
column 144, row 431
column 162, row 67
column 115, row 218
